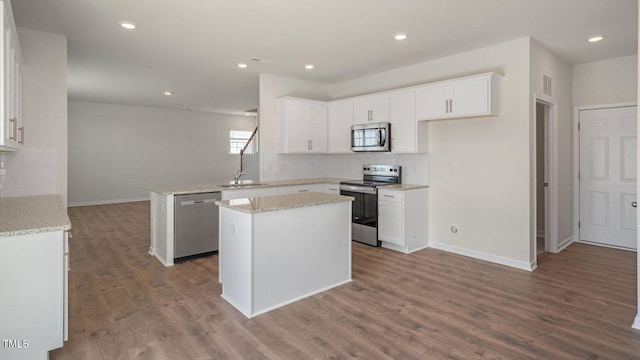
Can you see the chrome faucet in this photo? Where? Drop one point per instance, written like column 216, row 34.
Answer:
column 239, row 174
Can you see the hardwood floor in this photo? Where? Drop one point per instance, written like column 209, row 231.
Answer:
column 124, row 304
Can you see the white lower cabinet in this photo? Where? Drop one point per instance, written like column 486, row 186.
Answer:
column 297, row 189
column 391, row 217
column 402, row 219
column 34, row 310
column 331, row 189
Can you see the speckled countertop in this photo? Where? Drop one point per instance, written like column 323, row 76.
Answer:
column 202, row 188
column 32, row 214
column 282, row 202
column 402, row 187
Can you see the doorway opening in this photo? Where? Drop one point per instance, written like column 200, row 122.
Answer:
column 544, row 179
column 542, row 172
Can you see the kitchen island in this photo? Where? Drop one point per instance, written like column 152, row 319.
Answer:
column 275, row 250
column 162, row 244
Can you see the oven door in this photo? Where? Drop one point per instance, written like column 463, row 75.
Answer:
column 364, row 213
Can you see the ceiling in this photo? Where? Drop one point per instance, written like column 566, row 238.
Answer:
column 192, row 47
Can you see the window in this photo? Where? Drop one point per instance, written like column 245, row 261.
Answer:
column 237, row 141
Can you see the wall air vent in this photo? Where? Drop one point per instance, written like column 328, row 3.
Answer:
column 546, row 84
column 256, row 59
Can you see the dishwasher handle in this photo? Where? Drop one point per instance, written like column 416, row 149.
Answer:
column 197, row 202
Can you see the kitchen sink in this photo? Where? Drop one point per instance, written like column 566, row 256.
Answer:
column 242, row 184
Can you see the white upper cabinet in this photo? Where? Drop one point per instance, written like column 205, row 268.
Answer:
column 11, row 126
column 371, row 109
column 303, row 125
column 465, row 97
column 407, row 135
column 340, row 121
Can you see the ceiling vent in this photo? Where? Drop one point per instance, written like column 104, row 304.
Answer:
column 546, row 84
column 256, row 59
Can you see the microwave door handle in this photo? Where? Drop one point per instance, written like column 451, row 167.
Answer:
column 378, row 136
column 383, row 138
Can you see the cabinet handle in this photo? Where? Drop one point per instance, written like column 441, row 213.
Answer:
column 634, row 204
column 309, row 144
column 14, row 129
column 446, row 106
column 305, row 190
column 370, row 115
column 21, row 129
column 450, row 105
column 389, row 196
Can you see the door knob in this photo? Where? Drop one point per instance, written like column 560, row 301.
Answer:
column 634, row 204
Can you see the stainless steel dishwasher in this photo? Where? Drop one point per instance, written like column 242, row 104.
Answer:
column 195, row 224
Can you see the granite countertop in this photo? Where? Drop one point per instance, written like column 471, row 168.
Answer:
column 402, row 187
column 282, row 202
column 32, row 214
column 203, row 188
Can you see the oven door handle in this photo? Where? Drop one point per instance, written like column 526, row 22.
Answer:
column 358, row 189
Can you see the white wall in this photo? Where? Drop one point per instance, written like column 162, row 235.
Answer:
column 275, row 166
column 606, row 82
column 116, row 151
column 545, row 62
column 41, row 166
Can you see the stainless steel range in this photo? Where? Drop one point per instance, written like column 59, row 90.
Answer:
column 364, row 209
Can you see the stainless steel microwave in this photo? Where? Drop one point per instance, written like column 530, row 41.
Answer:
column 371, row 137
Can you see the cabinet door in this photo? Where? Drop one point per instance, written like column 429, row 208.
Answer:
column 16, row 101
column 317, row 128
column 9, row 126
column 298, row 116
column 371, row 109
column 340, row 121
column 65, row 271
column 470, row 97
column 402, row 115
column 432, row 102
column 391, row 217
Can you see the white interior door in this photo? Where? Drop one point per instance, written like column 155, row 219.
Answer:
column 608, row 174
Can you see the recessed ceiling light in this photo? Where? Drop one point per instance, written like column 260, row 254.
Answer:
column 596, row 38
column 168, row 93
column 127, row 24
column 242, row 65
column 400, row 36
column 309, row 66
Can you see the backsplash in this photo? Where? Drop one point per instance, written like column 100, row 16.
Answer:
column 29, row 171
column 415, row 167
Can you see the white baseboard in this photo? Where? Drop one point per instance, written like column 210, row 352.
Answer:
column 605, row 245
column 106, row 202
column 636, row 323
column 522, row 265
column 564, row 243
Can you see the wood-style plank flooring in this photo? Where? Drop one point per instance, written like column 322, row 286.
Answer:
column 124, row 304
